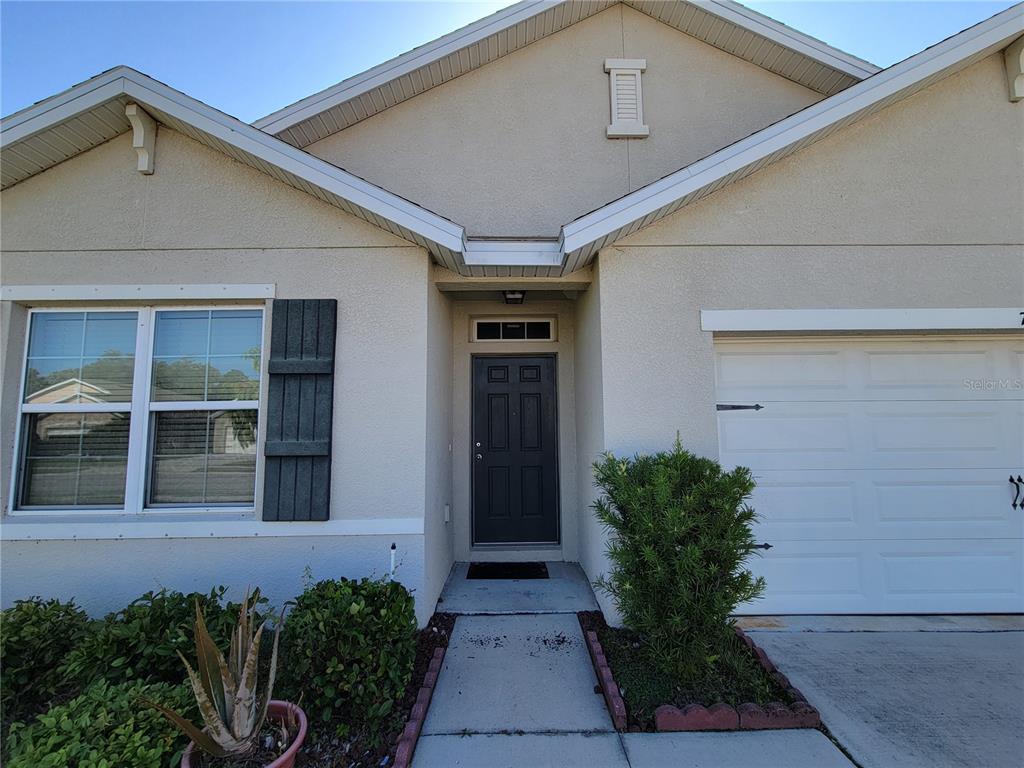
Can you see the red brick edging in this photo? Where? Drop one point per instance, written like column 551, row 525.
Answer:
column 413, row 726
column 610, row 690
column 745, row 717
column 717, row 717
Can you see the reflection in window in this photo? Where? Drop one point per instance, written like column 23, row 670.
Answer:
column 81, row 357
column 203, row 457
column 74, row 459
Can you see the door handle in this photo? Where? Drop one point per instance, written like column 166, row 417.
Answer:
column 1018, row 485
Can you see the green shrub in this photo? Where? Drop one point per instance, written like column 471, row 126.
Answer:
column 35, row 637
column 681, row 534
column 105, row 727
column 141, row 641
column 348, row 649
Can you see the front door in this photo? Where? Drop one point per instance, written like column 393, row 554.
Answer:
column 515, row 450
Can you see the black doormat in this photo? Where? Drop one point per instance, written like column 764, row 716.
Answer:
column 507, row 571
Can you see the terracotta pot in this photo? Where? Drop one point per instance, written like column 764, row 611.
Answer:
column 278, row 710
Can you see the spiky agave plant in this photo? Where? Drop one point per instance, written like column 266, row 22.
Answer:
column 232, row 708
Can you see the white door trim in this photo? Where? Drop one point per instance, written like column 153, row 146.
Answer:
column 802, row 320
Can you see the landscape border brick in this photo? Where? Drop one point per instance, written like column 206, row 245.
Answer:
column 414, row 725
column 717, row 717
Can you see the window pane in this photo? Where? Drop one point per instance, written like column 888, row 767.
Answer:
column 488, row 330
column 203, row 457
column 538, row 330
column 182, row 334
column 81, row 357
column 513, row 330
column 207, row 355
column 75, row 459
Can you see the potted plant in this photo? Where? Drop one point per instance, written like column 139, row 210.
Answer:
column 240, row 723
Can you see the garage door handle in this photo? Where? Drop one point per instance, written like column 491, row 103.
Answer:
column 765, row 546
column 1018, row 484
column 729, row 407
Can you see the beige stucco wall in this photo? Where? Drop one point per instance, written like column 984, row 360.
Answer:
column 918, row 206
column 518, row 147
column 438, row 534
column 590, row 438
column 203, row 218
column 462, row 351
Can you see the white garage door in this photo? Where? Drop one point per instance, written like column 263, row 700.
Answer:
column 883, row 468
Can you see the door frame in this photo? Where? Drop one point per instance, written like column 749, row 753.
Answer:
column 473, row 544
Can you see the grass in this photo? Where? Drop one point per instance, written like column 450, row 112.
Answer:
column 735, row 678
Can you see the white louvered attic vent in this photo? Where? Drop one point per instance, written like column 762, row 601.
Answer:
column 627, row 98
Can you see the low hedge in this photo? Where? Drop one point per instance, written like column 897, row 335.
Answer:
column 348, row 649
column 107, row 726
column 141, row 641
column 35, row 637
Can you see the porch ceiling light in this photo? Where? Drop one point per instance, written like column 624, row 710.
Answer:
column 514, row 297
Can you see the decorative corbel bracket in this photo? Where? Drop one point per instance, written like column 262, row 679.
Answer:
column 143, row 136
column 1014, row 58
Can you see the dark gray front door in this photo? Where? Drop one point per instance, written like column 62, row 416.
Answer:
column 515, row 450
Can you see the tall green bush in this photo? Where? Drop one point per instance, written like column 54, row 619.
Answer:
column 680, row 537
column 35, row 637
column 105, row 727
column 348, row 649
column 141, row 641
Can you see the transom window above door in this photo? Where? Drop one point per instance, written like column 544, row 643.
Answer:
column 512, row 329
column 140, row 409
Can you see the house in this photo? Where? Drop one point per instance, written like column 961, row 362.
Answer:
column 412, row 309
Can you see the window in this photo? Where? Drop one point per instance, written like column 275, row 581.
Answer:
column 513, row 329
column 144, row 408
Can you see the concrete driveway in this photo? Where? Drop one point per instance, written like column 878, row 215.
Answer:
column 909, row 692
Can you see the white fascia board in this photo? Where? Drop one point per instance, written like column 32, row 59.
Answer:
column 164, row 525
column 285, row 118
column 990, row 35
column 157, row 292
column 788, row 37
column 156, row 95
column 513, row 253
column 318, row 172
column 818, row 320
column 62, row 106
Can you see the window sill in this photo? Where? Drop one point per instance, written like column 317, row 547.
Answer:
column 190, row 524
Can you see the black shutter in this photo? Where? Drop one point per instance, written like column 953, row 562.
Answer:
column 297, row 484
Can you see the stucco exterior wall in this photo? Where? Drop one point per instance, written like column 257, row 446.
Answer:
column 438, row 533
column 203, row 218
column 462, row 393
column 518, row 147
column 918, row 206
column 590, row 439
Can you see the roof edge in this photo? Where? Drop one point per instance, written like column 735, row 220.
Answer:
column 641, row 207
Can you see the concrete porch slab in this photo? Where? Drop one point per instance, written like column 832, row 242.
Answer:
column 912, row 699
column 566, row 591
column 516, row 673
column 752, row 749
column 528, row 750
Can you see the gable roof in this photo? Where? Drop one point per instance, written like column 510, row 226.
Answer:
column 91, row 113
column 582, row 238
column 722, row 23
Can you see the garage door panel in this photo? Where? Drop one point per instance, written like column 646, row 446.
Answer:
column 888, row 504
column 882, row 469
column 874, row 435
column 882, row 369
column 974, row 576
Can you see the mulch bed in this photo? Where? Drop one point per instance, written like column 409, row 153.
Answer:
column 751, row 695
column 355, row 753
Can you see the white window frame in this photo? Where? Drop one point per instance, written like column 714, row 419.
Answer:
column 140, row 408
column 475, row 321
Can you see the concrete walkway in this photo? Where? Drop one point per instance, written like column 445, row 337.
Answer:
column 517, row 691
column 909, row 691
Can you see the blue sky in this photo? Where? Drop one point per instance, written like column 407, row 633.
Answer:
column 250, row 58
